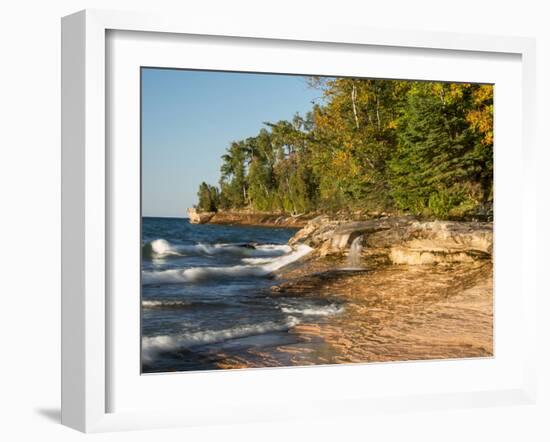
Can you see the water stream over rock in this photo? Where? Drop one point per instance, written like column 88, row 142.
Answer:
column 354, row 257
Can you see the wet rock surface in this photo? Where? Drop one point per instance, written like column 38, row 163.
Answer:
column 389, row 313
column 421, row 290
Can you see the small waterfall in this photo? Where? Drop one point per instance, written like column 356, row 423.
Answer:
column 354, row 257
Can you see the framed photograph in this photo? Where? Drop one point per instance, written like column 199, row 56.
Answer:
column 267, row 222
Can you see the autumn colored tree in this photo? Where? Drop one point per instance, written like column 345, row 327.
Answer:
column 367, row 144
column 356, row 136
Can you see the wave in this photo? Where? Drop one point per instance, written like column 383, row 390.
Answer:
column 172, row 304
column 299, row 252
column 150, row 304
column 151, row 346
column 257, row 260
column 195, row 274
column 271, row 248
column 160, row 248
column 327, row 310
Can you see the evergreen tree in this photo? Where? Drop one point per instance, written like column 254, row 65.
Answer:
column 437, row 164
column 208, row 198
column 233, row 176
column 418, row 147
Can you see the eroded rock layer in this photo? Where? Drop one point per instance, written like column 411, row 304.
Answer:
column 401, row 240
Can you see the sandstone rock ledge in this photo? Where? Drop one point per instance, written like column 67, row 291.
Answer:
column 196, row 217
column 248, row 218
column 401, row 240
column 395, row 305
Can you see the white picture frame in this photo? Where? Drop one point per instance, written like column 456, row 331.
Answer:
column 86, row 207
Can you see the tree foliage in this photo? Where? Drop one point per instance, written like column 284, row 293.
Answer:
column 208, row 198
column 442, row 164
column 418, row 147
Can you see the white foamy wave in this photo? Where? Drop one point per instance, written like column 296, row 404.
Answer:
column 194, row 274
column 160, row 248
column 299, row 252
column 172, row 276
column 258, row 250
column 327, row 310
column 283, row 248
column 152, row 345
column 257, row 260
column 163, row 304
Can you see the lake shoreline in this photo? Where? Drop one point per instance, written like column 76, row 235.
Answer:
column 334, row 292
column 382, row 313
column 431, row 300
column 394, row 312
column 249, row 218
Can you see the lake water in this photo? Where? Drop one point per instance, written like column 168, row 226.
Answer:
column 205, row 293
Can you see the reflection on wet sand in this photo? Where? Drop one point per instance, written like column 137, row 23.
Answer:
column 391, row 313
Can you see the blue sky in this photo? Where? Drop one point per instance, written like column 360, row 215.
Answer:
column 189, row 118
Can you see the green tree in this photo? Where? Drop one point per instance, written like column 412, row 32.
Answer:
column 233, row 176
column 208, row 198
column 440, row 161
column 419, row 147
column 355, row 136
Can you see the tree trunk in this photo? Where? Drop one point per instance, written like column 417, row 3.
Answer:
column 353, row 98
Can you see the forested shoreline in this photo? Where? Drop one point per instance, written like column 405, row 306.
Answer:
column 420, row 148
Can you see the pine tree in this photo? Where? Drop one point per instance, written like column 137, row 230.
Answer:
column 418, row 147
column 435, row 167
column 208, row 198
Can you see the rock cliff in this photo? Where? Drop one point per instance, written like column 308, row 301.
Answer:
column 196, row 217
column 248, row 218
column 401, row 240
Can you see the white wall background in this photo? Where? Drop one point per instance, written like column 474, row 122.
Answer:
column 30, row 215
